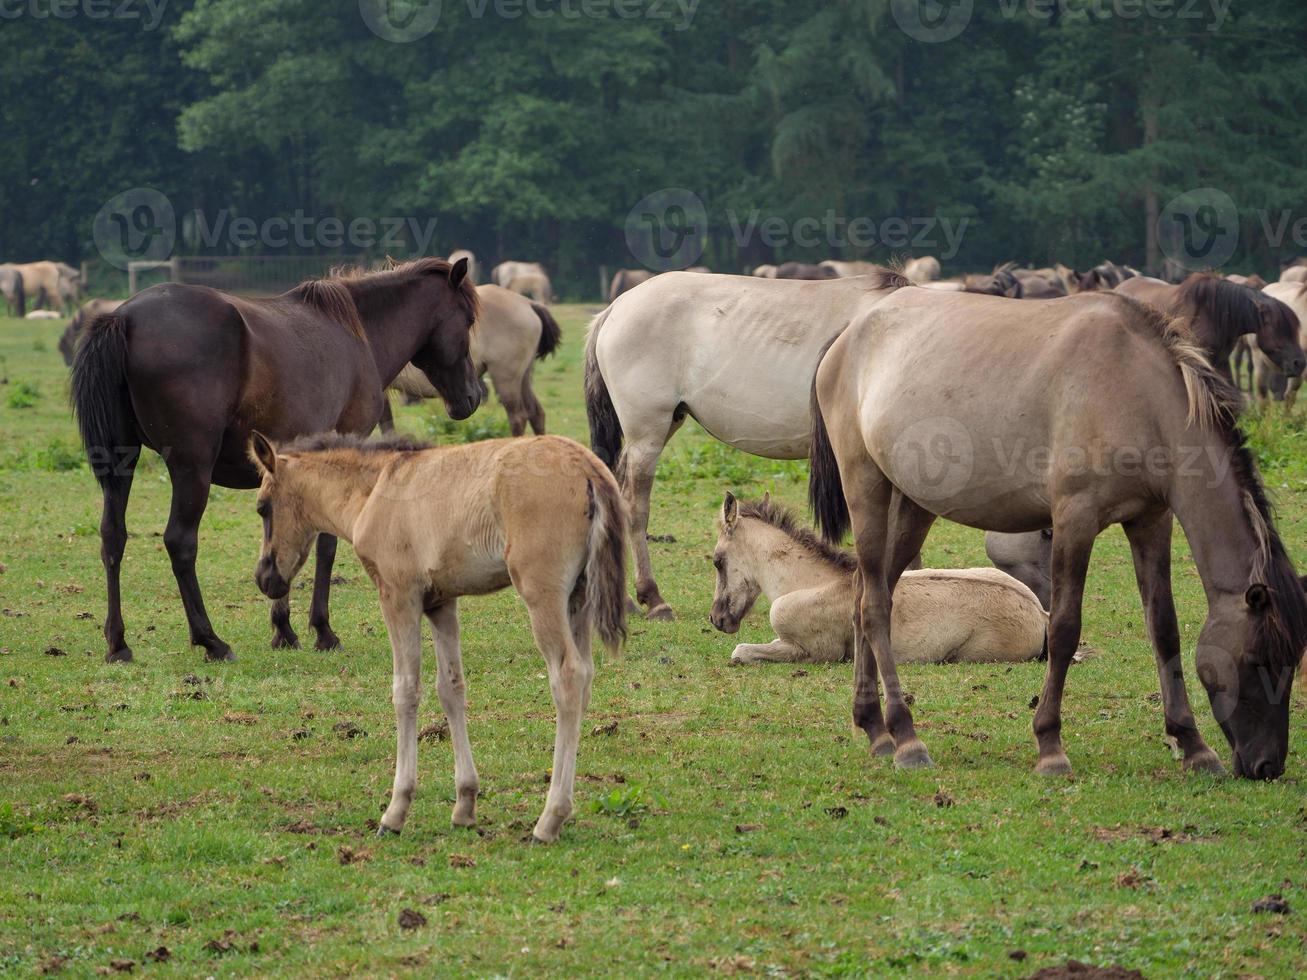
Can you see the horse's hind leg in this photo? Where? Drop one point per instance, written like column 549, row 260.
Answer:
column 319, row 616
column 535, row 412
column 113, row 541
column 1073, row 543
column 1150, row 545
column 508, row 388
column 190, row 496
column 453, row 699
column 639, row 464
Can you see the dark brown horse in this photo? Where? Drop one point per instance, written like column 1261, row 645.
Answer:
column 190, row 372
column 1218, row 312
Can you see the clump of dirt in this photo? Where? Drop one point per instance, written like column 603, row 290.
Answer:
column 437, row 731
column 409, row 919
column 1085, row 971
column 347, row 729
column 608, row 729
column 1275, row 904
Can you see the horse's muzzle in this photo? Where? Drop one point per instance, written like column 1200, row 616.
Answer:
column 724, row 622
column 465, row 406
column 269, row 580
column 1266, row 768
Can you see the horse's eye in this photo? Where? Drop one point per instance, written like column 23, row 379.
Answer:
column 717, row 562
column 264, row 508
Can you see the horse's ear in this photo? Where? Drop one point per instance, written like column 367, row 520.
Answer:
column 261, row 451
column 458, row 272
column 1258, row 597
column 766, row 498
column 730, row 510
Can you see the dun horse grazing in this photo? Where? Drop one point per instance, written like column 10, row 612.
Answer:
column 51, row 284
column 627, row 279
column 1077, row 413
column 969, row 615
column 1218, row 312
column 80, row 321
column 527, row 278
column 11, row 287
column 190, row 371
column 510, row 335
column 433, row 525
column 735, row 353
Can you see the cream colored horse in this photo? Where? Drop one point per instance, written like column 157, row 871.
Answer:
column 968, row 615
column 1294, row 296
column 510, row 335
column 733, row 352
column 51, row 284
column 847, row 269
column 765, row 271
column 924, row 269
column 433, row 525
column 527, row 278
column 473, row 270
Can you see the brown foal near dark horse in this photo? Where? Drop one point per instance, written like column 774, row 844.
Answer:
column 1218, row 312
column 190, row 372
column 1077, row 413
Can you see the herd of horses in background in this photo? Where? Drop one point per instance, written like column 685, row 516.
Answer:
column 875, row 374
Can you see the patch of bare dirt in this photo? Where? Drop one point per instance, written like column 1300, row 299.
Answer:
column 1154, row 835
column 1085, row 971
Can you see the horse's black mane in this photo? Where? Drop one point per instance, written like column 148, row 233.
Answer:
column 327, row 441
column 783, row 519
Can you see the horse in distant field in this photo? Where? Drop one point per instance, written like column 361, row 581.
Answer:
column 473, row 270
column 1000, row 282
column 803, row 270
column 733, row 352
column 1218, row 312
column 626, row 279
column 50, row 284
column 765, row 271
column 1265, row 371
column 969, row 615
column 1107, row 275
column 433, row 525
column 846, row 269
column 527, row 278
column 510, row 335
column 1039, row 283
column 190, row 371
column 1132, row 427
column 923, row 269
column 80, row 321
column 11, row 287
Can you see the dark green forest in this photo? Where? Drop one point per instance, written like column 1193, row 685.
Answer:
column 1056, row 130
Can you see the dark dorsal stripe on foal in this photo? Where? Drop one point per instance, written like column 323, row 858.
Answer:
column 783, row 519
column 328, row 441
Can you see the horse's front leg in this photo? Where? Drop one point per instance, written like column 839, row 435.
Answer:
column 284, row 636
column 403, row 615
column 1150, row 545
column 1073, row 543
column 319, row 618
column 453, row 699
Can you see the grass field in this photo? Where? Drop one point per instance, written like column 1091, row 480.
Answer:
column 727, row 820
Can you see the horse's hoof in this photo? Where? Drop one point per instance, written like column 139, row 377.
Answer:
column 285, row 641
column 220, row 654
column 327, row 640
column 884, row 746
column 1207, row 762
column 661, row 613
column 913, row 755
column 384, row 831
column 123, row 655
column 1054, row 765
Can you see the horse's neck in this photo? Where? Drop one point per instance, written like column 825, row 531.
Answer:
column 396, row 328
column 782, row 565
column 1209, row 503
column 340, row 493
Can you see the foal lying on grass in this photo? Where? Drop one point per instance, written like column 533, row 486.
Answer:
column 974, row 615
column 431, row 525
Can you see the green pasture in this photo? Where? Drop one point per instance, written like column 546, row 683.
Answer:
column 199, row 819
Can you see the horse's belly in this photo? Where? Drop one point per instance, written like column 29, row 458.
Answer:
column 768, row 420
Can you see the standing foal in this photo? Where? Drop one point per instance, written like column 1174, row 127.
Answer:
column 430, row 525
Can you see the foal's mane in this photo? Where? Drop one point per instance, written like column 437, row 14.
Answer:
column 783, row 519
column 395, row 273
column 1215, row 404
column 335, row 441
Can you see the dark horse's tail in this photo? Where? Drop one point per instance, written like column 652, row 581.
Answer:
column 551, row 334
column 825, row 489
column 605, row 427
column 100, row 396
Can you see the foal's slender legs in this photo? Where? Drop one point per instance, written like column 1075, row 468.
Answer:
column 892, row 533
column 1073, row 543
column 1150, row 544
column 453, row 699
column 113, row 541
column 571, row 671
column 319, row 618
column 404, row 623
column 190, row 496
